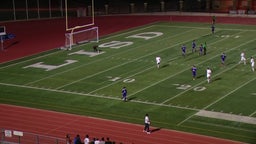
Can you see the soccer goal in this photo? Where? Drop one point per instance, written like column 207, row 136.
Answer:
column 81, row 36
column 2, row 33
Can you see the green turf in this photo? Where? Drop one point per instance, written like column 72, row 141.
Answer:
column 92, row 85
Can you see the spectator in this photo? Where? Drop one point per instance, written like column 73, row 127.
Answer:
column 68, row 139
column 77, row 139
column 108, row 141
column 97, row 141
column 93, row 141
column 86, row 139
column 102, row 141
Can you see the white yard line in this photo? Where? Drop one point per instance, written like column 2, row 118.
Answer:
column 98, row 96
column 206, row 28
column 227, row 116
column 221, row 126
column 126, row 62
column 221, row 97
column 107, row 57
column 229, row 93
column 198, row 84
column 153, row 84
column 252, row 114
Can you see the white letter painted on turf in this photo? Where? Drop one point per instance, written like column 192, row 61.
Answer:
column 50, row 67
column 128, row 80
column 90, row 54
column 115, row 44
column 146, row 35
column 113, row 78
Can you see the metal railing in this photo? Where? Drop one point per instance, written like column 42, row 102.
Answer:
column 20, row 137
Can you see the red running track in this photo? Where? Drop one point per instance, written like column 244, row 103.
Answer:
column 58, row 124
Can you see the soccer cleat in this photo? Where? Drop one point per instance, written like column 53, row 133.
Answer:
column 148, row 132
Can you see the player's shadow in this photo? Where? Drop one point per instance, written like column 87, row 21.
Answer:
column 200, row 76
column 165, row 65
column 230, row 63
column 216, row 79
column 155, row 130
column 131, row 98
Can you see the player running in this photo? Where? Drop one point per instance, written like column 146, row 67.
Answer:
column 124, row 94
column 243, row 59
column 223, row 58
column 213, row 28
column 208, row 74
column 201, row 50
column 183, row 49
column 193, row 46
column 194, row 69
column 252, row 63
column 158, row 61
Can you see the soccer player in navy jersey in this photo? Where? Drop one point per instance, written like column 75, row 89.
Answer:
column 193, row 46
column 223, row 58
column 124, row 94
column 193, row 69
column 201, row 49
column 213, row 28
column 183, row 49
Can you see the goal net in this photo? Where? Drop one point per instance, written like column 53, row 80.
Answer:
column 81, row 37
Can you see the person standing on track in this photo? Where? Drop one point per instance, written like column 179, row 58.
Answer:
column 147, row 124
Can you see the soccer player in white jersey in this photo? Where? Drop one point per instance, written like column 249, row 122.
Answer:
column 243, row 59
column 208, row 74
column 252, row 63
column 158, row 61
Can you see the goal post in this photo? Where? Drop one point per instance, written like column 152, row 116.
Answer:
column 87, row 24
column 80, row 30
column 81, row 36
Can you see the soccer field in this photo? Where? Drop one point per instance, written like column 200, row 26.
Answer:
column 84, row 82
